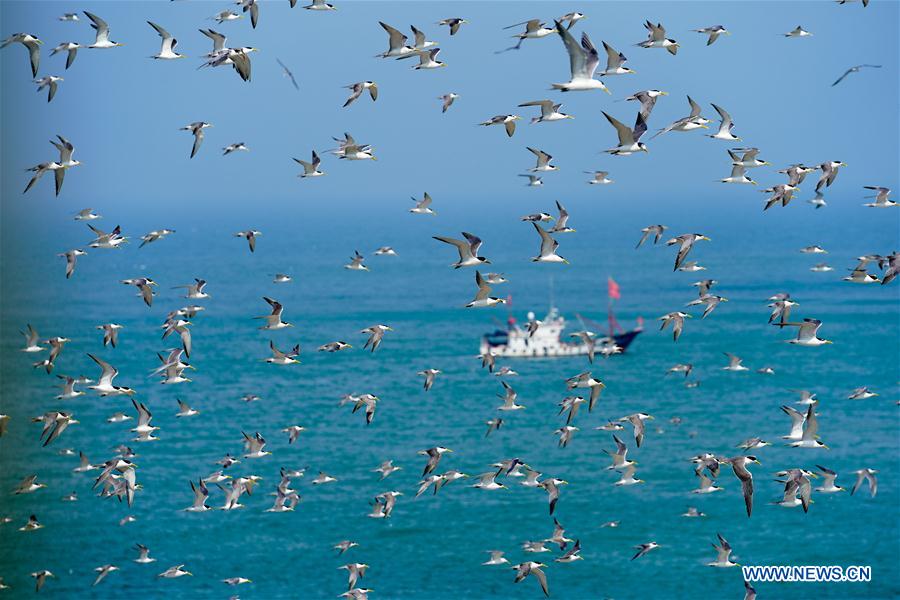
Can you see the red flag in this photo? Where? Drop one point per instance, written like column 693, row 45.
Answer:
column 613, row 288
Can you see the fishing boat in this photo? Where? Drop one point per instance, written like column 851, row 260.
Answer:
column 547, row 338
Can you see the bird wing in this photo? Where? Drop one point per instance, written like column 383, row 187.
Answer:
column 626, row 136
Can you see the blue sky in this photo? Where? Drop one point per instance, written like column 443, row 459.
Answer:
column 123, row 110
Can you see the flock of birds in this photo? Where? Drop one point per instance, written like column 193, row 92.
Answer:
column 117, row 477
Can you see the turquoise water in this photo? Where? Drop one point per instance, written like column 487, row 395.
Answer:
column 433, row 546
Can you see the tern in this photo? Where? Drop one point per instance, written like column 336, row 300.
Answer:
column 174, row 572
column 628, row 477
column 226, row 15
column 655, row 230
column 583, row 63
column 534, row 30
column 647, row 99
column 643, row 549
column 599, row 177
column 496, row 558
column 734, row 363
column 356, row 90
column 739, row 466
column 144, row 285
column 533, row 180
column 828, row 477
column 543, row 161
column 829, row 173
column 334, row 347
column 51, row 82
column 427, row 59
column 548, row 247
column 32, row 43
column 446, row 100
column 881, row 197
column 706, row 484
column 40, row 577
column 861, row 393
column 196, row 130
column 532, row 568
column 454, row 23
column 561, row 225
column 614, row 62
column 110, row 333
column 723, row 554
column 807, row 333
column 273, row 320
column 310, row 169
column 686, row 242
column 725, row 126
column 250, row 235
column 104, row 385
column 808, row 438
column 468, row 250
column 676, row 318
column 797, row 419
column 167, row 50
column 867, row 475
column 283, row 358
column 549, row 111
column 508, row 121
column 656, row 38
column 317, row 5
column 155, row 235
column 71, row 257
column 855, row 69
column 397, row 46
column 101, row 39
column 237, row 146
column 629, row 139
column 797, row 32
column 483, row 299
column 429, row 375
column 376, row 335
column 356, row 262
column 713, row 32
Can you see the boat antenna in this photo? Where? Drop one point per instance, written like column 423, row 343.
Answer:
column 551, row 292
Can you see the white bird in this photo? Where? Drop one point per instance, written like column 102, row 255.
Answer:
column 32, row 43
column 583, row 63
column 250, row 235
column 468, row 250
column 656, row 38
column 734, row 363
column 496, row 558
column 549, row 111
column 508, row 122
column 167, row 50
column 629, row 139
column 356, row 90
column 723, row 554
column 446, row 100
column 797, row 32
column 548, row 247
column 196, row 130
column 599, row 177
column 713, row 32
column 483, row 299
column 725, row 126
column 807, row 333
column 51, row 82
column 534, row 30
column 356, row 262
column 867, row 475
column 423, row 206
column 310, row 169
column 881, row 197
column 397, row 46
column 688, row 123
column 101, row 39
column 543, row 161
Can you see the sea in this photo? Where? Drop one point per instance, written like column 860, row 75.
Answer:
column 433, row 546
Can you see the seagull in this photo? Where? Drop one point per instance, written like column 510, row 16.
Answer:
column 583, row 63
column 508, row 121
column 167, row 50
column 358, row 88
column 807, row 333
column 798, row 31
column 51, row 82
column 250, row 235
column 525, row 569
column 600, row 177
column 548, row 247
column 376, row 334
column 643, row 549
column 144, row 285
column 454, row 23
column 549, row 111
column 855, row 69
column 101, row 39
column 446, row 100
column 734, row 363
column 32, row 43
column 196, row 130
column 647, row 98
column 534, row 29
column 867, row 475
column 71, row 257
column 881, row 197
column 543, row 161
column 739, row 466
column 725, row 126
column 629, row 139
column 686, row 242
column 676, row 318
column 723, row 554
column 713, row 32
column 656, row 38
column 237, row 146
column 468, row 250
column 614, row 62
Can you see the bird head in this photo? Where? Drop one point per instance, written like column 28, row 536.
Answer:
column 643, row 147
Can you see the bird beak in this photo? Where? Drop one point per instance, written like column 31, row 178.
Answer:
column 664, row 93
column 607, row 91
